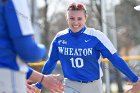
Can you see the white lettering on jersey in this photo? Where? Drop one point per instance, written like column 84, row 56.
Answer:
column 75, row 51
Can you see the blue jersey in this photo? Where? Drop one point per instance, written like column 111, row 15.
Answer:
column 17, row 45
column 80, row 55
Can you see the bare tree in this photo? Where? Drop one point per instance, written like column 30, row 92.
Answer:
column 45, row 25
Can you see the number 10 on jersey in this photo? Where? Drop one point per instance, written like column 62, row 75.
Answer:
column 77, row 62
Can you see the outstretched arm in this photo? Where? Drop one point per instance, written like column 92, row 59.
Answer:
column 108, row 51
column 121, row 65
column 51, row 62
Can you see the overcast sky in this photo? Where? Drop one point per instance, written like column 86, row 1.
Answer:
column 61, row 6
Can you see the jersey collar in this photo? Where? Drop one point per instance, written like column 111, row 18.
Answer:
column 77, row 33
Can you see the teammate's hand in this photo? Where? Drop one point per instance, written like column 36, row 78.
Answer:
column 135, row 88
column 53, row 83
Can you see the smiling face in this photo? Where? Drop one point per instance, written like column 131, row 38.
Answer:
column 76, row 20
column 76, row 17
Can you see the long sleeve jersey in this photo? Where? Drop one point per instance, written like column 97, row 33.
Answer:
column 16, row 36
column 80, row 55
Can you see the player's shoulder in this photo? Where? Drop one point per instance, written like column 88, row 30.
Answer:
column 96, row 33
column 62, row 32
column 93, row 32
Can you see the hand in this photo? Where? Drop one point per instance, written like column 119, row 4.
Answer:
column 29, row 82
column 52, row 83
column 135, row 88
column 37, row 89
column 31, row 89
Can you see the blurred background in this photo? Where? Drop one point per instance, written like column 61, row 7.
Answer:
column 122, row 26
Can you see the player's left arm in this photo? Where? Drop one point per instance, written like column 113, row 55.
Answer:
column 108, row 51
column 122, row 66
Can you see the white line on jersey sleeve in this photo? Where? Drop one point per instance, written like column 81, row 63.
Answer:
column 103, row 38
column 21, row 8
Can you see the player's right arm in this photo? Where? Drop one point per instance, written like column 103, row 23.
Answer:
column 51, row 62
column 20, row 30
column 50, row 82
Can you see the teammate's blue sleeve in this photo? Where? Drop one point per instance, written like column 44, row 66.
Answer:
column 28, row 50
column 121, row 65
column 50, row 63
column 17, row 18
column 29, row 73
column 20, row 30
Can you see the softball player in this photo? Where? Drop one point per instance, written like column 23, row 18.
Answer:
column 17, row 47
column 79, row 50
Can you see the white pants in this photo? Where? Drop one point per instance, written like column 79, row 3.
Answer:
column 12, row 81
column 78, row 87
